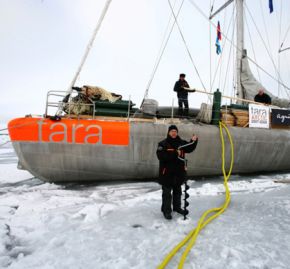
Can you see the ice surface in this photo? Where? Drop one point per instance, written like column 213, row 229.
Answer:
column 46, row 225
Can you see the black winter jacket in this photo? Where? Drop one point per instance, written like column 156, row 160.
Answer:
column 178, row 87
column 172, row 170
column 264, row 98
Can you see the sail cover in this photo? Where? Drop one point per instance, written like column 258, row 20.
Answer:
column 251, row 86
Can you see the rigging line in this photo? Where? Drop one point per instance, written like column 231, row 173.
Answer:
column 186, row 45
column 89, row 46
column 252, row 44
column 212, row 7
column 264, row 22
column 279, row 80
column 228, row 64
column 210, row 56
column 162, row 49
column 250, row 59
column 234, row 81
column 223, row 47
column 263, row 41
column 279, row 62
column 1, row 145
column 225, row 16
column 284, row 38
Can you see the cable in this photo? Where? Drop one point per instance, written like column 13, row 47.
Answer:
column 252, row 44
column 269, row 54
column 228, row 64
column 203, row 14
column 1, row 145
column 161, row 50
column 89, row 46
column 223, row 47
column 183, row 39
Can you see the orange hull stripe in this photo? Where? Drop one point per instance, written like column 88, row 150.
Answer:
column 69, row 131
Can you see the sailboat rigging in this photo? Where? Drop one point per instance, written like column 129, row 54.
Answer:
column 99, row 136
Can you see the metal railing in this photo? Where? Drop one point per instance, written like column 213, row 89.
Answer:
column 66, row 106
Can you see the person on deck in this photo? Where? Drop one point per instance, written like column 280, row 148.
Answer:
column 262, row 97
column 182, row 95
column 172, row 169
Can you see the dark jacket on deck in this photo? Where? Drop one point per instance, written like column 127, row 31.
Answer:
column 264, row 98
column 178, row 87
column 171, row 168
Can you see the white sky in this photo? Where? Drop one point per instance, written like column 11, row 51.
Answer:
column 43, row 41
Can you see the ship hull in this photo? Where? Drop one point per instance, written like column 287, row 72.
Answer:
column 64, row 160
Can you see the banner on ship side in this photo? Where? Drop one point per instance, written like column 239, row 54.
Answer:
column 280, row 117
column 259, row 116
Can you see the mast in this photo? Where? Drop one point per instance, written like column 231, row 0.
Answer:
column 240, row 46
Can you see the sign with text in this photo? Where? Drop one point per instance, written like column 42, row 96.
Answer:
column 280, row 117
column 73, row 131
column 259, row 116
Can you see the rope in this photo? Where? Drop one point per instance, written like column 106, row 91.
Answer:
column 223, row 47
column 284, row 38
column 228, row 64
column 264, row 43
column 161, row 50
column 252, row 44
column 17, row 126
column 250, row 59
column 1, row 145
column 89, row 46
column 210, row 41
column 185, row 44
column 264, row 22
column 279, row 43
column 203, row 221
column 225, row 22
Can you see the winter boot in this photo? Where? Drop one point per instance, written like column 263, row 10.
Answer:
column 167, row 215
column 181, row 211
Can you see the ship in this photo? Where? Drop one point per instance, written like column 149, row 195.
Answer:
column 94, row 135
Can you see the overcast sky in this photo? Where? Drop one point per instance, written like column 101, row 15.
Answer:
column 43, row 41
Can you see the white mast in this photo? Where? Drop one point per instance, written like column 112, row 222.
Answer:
column 240, row 46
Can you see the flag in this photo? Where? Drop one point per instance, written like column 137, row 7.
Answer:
column 271, row 6
column 218, row 39
column 219, row 35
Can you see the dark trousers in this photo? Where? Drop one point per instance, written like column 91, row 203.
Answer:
column 181, row 102
column 168, row 198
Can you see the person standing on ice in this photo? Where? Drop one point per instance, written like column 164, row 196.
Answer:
column 172, row 169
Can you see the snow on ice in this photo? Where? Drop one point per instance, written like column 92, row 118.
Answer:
column 119, row 226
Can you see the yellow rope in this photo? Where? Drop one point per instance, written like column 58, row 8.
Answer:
column 203, row 221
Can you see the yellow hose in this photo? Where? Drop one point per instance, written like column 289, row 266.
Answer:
column 203, row 221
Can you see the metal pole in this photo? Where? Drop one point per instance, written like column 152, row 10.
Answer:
column 172, row 109
column 129, row 103
column 241, row 100
column 46, row 107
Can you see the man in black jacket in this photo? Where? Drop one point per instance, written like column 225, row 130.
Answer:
column 172, row 169
column 182, row 95
column 262, row 97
